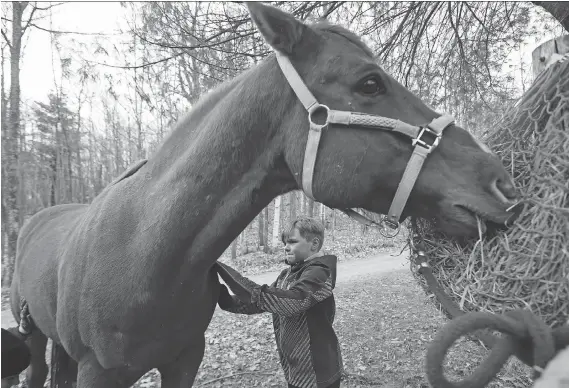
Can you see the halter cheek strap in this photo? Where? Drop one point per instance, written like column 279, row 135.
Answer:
column 420, row 152
column 422, row 147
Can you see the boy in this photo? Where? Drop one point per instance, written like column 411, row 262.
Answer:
column 302, row 304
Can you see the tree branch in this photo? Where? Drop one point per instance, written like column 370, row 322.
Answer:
column 49, row 6
column 71, row 32
column 459, row 41
column 34, row 9
column 137, row 66
column 476, row 17
column 6, row 39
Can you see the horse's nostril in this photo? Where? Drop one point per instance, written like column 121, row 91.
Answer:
column 505, row 190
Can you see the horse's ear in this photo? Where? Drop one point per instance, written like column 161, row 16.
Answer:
column 280, row 29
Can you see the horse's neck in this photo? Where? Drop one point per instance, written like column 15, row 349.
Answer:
column 220, row 167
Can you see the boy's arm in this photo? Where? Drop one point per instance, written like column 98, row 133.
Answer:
column 233, row 304
column 313, row 287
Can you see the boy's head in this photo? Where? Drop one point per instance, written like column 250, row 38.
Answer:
column 303, row 239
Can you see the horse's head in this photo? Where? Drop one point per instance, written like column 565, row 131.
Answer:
column 362, row 167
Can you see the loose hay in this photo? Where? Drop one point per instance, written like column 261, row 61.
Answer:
column 528, row 265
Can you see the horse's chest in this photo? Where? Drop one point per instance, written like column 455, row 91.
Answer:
column 133, row 324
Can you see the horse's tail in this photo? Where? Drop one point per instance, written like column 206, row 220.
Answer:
column 63, row 368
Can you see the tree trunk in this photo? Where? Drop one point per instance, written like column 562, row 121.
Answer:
column 80, row 179
column 243, row 242
column 292, row 208
column 283, row 214
column 333, row 224
column 13, row 141
column 234, row 251
column 266, row 230
column 310, row 207
column 558, row 9
column 4, row 143
column 261, row 230
column 276, row 223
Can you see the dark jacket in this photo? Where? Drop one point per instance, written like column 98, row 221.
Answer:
column 303, row 308
column 15, row 353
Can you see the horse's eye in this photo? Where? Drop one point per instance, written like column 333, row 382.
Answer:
column 371, row 87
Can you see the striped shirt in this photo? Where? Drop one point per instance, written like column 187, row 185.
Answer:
column 303, row 308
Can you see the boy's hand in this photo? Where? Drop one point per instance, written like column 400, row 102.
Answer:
column 240, row 285
column 225, row 299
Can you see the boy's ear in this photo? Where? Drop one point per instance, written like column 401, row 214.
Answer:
column 315, row 243
column 280, row 29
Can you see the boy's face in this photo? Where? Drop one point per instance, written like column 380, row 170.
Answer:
column 297, row 248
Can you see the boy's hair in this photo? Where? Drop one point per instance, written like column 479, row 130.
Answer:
column 308, row 228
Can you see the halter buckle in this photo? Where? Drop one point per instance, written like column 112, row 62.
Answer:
column 312, row 110
column 391, row 222
column 393, row 225
column 419, row 139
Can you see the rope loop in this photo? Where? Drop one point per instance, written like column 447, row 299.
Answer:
column 525, row 335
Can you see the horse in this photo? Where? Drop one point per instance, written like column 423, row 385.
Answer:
column 126, row 283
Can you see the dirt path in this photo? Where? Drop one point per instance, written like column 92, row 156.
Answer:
column 347, row 271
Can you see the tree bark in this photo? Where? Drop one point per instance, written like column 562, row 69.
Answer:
column 333, row 224
column 80, row 179
column 243, row 241
column 283, row 214
column 276, row 222
column 234, row 251
column 261, row 230
column 4, row 143
column 266, row 230
column 558, row 9
column 310, row 207
column 13, row 147
column 292, row 208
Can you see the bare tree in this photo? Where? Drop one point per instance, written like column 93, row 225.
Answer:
column 12, row 136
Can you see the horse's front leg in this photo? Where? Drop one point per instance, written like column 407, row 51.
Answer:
column 92, row 375
column 182, row 372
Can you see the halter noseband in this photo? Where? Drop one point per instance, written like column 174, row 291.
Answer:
column 421, row 149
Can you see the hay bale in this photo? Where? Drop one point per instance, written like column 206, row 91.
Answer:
column 528, row 265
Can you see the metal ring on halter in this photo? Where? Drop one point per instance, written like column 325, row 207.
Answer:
column 312, row 110
column 384, row 228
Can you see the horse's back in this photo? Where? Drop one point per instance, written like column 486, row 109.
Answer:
column 37, row 256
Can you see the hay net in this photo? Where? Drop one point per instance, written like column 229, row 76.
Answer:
column 528, row 265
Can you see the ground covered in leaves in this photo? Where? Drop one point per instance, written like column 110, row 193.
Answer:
column 384, row 324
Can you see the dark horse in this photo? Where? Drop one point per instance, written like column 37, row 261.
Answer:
column 126, row 284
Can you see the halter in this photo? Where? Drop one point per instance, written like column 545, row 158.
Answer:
column 422, row 146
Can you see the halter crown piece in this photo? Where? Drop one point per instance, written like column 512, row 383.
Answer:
column 421, row 146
